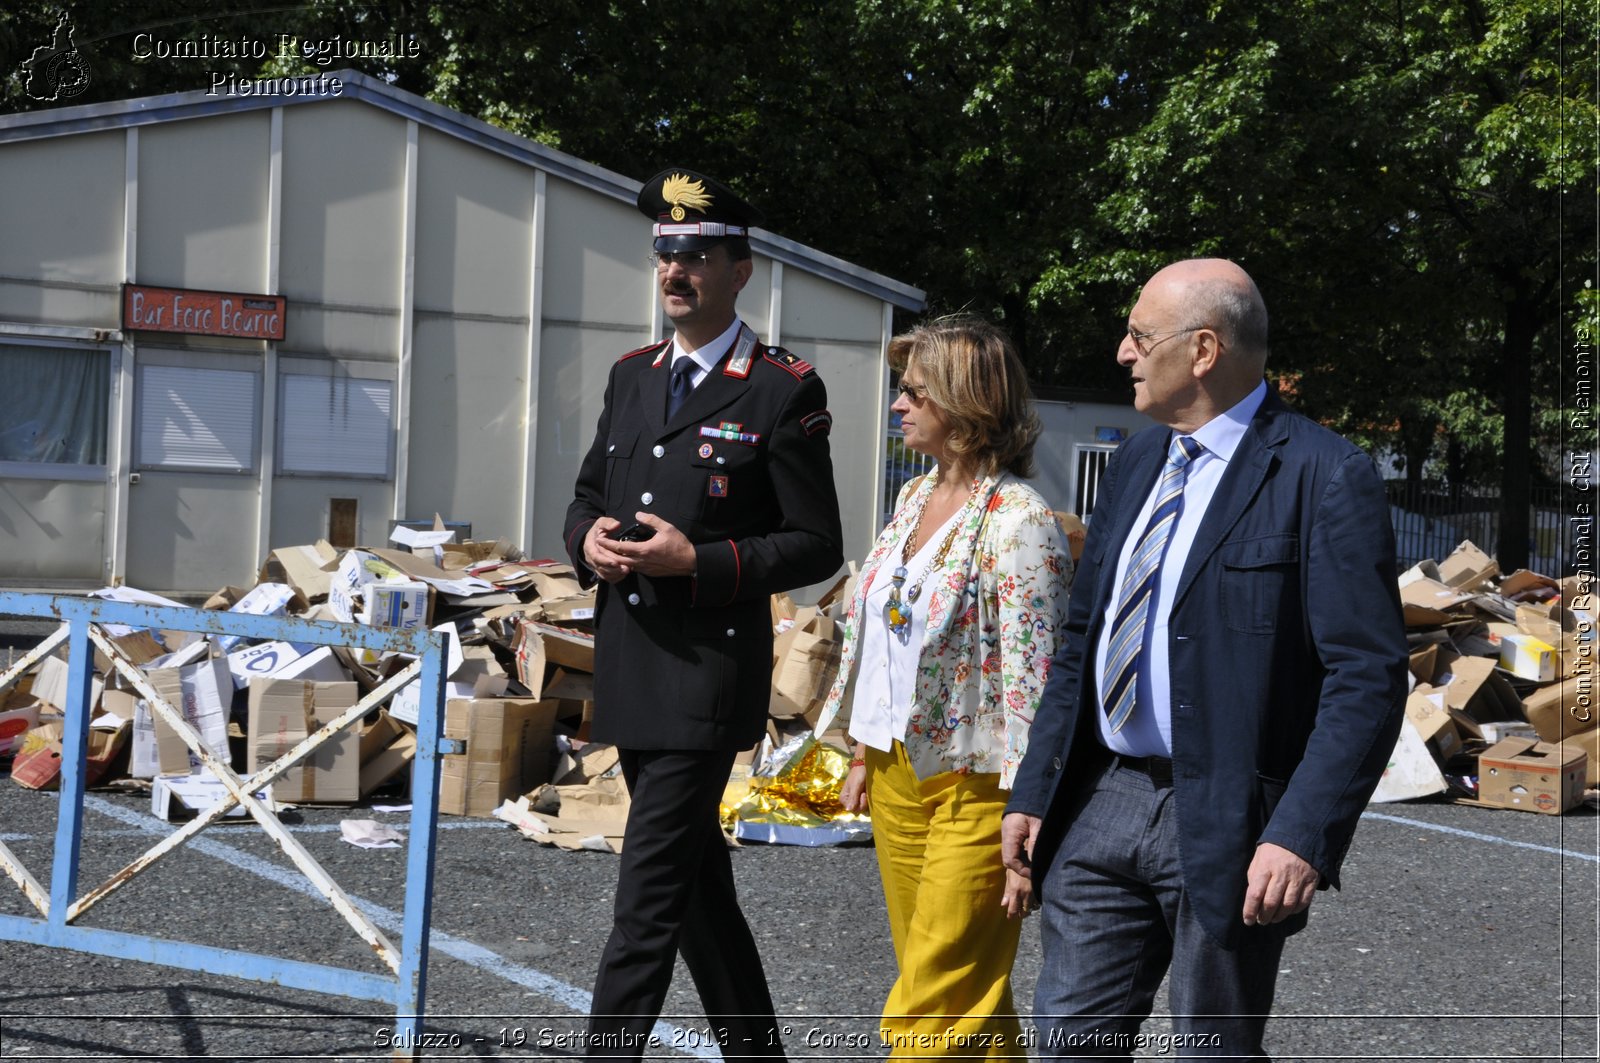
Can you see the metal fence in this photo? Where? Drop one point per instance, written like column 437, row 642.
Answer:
column 82, row 625
column 1431, row 522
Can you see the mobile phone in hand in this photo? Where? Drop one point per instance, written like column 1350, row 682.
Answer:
column 635, row 533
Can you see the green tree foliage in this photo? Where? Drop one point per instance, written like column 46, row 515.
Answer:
column 1412, row 184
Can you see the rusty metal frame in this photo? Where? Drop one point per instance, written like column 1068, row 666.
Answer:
column 61, row 905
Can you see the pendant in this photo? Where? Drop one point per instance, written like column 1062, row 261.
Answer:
column 899, row 617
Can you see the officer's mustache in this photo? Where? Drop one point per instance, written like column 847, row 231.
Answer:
column 680, row 288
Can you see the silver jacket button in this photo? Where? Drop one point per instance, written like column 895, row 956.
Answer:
column 658, row 450
column 633, row 599
column 647, row 498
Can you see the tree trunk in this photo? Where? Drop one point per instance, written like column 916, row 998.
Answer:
column 1516, row 362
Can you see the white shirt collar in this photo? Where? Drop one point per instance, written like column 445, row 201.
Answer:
column 709, row 355
column 1221, row 434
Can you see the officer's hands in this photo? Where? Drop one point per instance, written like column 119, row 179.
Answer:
column 599, row 550
column 1280, row 885
column 1018, row 832
column 667, row 553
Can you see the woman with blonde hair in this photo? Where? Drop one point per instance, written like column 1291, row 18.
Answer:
column 946, row 646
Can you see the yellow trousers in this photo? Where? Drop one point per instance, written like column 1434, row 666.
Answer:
column 938, row 845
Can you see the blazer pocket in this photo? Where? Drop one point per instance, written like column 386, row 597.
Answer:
column 1256, row 573
column 722, row 479
column 619, row 452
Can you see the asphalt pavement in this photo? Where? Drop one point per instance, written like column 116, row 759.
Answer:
column 1462, row 934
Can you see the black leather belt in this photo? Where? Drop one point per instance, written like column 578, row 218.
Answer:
column 1159, row 769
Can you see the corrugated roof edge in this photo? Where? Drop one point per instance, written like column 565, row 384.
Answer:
column 198, row 103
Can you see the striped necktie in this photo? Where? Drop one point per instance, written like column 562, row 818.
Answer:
column 1120, row 679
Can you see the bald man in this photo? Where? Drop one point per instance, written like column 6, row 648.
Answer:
column 1228, row 693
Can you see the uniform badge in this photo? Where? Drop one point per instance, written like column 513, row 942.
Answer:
column 717, row 487
column 820, row 421
column 705, row 450
column 682, row 191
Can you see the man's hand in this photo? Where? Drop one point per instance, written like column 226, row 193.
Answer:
column 1018, row 832
column 667, row 553
column 1280, row 885
column 599, row 553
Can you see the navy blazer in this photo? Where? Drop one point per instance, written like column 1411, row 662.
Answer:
column 1287, row 655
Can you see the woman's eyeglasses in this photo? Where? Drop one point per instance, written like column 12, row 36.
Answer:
column 914, row 392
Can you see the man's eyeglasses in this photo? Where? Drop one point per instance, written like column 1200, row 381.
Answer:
column 914, row 392
column 1141, row 338
column 686, row 259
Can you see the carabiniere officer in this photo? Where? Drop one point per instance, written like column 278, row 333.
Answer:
column 708, row 488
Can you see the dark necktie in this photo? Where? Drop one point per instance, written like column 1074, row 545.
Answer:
column 678, row 390
column 1120, row 680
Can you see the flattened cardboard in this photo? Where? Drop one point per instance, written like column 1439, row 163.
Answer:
column 1476, row 690
column 1529, row 776
column 203, row 692
column 1467, row 567
column 282, row 713
column 50, row 684
column 1411, row 772
column 305, row 568
column 1562, row 710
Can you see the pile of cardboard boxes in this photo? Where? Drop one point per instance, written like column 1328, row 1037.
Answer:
column 518, row 669
column 519, row 693
column 1501, row 711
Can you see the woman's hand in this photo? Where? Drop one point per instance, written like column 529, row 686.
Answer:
column 1018, row 899
column 853, row 794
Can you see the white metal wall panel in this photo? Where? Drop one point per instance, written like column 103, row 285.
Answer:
column 819, row 309
column 597, row 259
column 474, row 216
column 342, row 249
column 851, row 372
column 53, row 531
column 191, row 531
column 205, row 232
column 61, row 230
column 300, row 509
column 197, row 418
column 574, row 367
column 468, row 396
column 336, row 424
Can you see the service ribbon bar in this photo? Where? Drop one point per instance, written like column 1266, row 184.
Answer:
column 737, row 437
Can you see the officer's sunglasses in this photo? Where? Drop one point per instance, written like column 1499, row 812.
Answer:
column 686, row 259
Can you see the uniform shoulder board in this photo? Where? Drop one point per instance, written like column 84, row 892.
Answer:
column 791, row 362
column 646, row 349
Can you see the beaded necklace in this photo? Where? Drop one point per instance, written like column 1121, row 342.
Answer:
column 896, row 610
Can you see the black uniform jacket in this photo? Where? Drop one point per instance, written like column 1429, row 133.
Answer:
column 743, row 470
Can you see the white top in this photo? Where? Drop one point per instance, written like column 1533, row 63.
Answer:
column 886, row 680
column 1148, row 731
column 707, row 357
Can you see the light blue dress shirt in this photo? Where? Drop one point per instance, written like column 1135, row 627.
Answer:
column 1148, row 731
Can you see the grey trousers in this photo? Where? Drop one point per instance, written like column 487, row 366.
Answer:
column 1117, row 919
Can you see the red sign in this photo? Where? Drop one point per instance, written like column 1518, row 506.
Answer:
column 246, row 317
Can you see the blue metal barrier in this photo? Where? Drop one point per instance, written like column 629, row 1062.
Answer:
column 61, row 904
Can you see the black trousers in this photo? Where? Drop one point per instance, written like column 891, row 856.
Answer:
column 675, row 894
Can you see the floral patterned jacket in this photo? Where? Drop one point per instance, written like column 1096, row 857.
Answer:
column 996, row 611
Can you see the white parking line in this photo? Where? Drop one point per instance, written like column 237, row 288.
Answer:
column 562, row 993
column 1569, row 853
